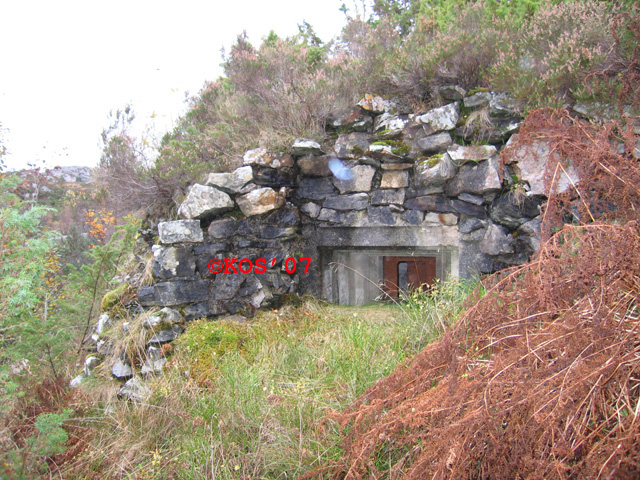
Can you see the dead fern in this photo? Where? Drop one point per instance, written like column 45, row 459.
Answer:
column 540, row 378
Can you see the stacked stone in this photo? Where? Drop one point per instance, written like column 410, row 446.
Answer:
column 409, row 170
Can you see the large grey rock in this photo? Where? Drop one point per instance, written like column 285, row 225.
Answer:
column 386, row 197
column 388, row 126
column 356, row 121
column 171, row 262
column 77, row 380
column 166, row 315
column 174, row 293
column 497, row 241
column 512, row 211
column 227, row 285
column 203, row 201
column 231, row 182
column 166, row 336
column 341, row 218
column 474, row 236
column 303, row 146
column 438, row 142
column 135, row 390
column 381, row 216
column 479, row 99
column 452, row 92
column 376, row 105
column 260, row 201
column 468, row 209
column 363, row 176
column 430, row 203
column 503, row 105
column 497, row 131
column 476, row 179
column 315, row 188
column 351, row 145
column 312, row 166
column 594, row 110
column 90, row 363
column 311, row 209
column 469, row 198
column 469, row 225
column 70, row 174
column 532, row 227
column 203, row 310
column 412, row 217
column 180, row 231
column 222, row 229
column 435, row 171
column 153, row 366
column 441, row 118
column 263, row 158
column 103, row 323
column 447, row 219
column 395, row 179
column 288, row 216
column 354, row 201
column 461, row 154
column 531, row 161
column 121, row 369
column 384, row 153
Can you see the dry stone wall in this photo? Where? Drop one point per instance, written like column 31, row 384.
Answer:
column 390, row 180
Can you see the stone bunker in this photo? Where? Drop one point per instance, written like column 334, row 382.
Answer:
column 396, row 200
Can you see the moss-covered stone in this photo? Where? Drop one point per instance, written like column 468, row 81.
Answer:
column 114, row 297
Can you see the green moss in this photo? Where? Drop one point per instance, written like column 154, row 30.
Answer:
column 398, row 147
column 477, row 90
column 163, row 325
column 384, row 132
column 402, row 150
column 432, row 161
column 208, row 339
column 113, row 298
column 357, row 150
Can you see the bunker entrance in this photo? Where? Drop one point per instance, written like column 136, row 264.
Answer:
column 362, row 276
column 403, row 273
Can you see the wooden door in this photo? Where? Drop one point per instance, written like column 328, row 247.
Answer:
column 407, row 272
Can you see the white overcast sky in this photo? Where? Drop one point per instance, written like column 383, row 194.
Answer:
column 65, row 64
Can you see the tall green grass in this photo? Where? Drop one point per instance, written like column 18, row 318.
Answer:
column 250, row 400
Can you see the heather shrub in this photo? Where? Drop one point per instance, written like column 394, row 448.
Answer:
column 558, row 46
column 549, row 53
column 285, row 89
column 544, row 53
column 457, row 54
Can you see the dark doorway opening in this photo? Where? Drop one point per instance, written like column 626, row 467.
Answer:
column 402, row 273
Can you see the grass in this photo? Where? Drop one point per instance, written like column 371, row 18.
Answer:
column 249, row 400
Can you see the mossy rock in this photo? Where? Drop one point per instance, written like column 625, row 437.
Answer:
column 473, row 91
column 114, row 297
column 402, row 150
column 357, row 151
column 432, row 161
